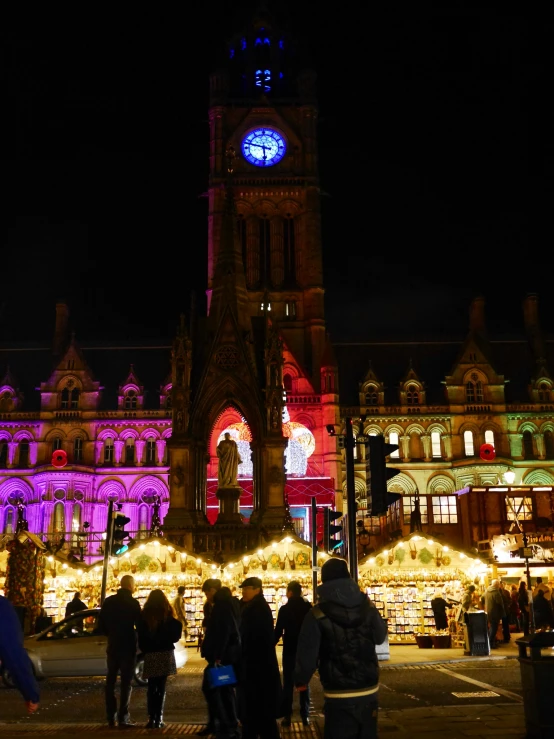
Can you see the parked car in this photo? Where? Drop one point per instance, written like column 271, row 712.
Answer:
column 75, row 647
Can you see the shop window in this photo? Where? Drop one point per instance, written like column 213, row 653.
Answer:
column 24, row 454
column 489, row 437
column 528, row 451
column 3, row 454
column 548, row 445
column 77, row 449
column 9, row 517
column 468, row 444
column 393, row 439
column 108, row 451
column 408, row 502
column 436, row 451
column 519, row 509
column 151, row 451
column 445, row 509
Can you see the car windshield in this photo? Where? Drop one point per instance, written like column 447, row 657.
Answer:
column 82, row 624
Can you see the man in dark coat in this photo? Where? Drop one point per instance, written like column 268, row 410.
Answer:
column 439, row 606
column 260, row 690
column 494, row 606
column 119, row 618
column 289, row 620
column 222, row 646
column 75, row 605
column 338, row 637
column 507, row 598
column 14, row 657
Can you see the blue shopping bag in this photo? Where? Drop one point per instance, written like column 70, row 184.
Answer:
column 221, row 675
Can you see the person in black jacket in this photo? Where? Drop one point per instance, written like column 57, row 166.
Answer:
column 158, row 630
column 259, row 689
column 119, row 617
column 75, row 605
column 338, row 637
column 209, row 588
column 222, row 646
column 289, row 621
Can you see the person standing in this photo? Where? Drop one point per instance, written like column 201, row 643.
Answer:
column 494, row 606
column 259, row 688
column 179, row 608
column 289, row 621
column 75, row 605
column 507, row 608
column 515, row 612
column 338, row 638
column 209, row 588
column 14, row 657
column 119, row 618
column 222, row 646
column 524, row 606
column 158, row 630
column 542, row 611
column 439, row 606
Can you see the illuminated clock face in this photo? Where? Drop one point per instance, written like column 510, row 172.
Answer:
column 263, row 147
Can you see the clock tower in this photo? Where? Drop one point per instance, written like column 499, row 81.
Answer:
column 263, row 105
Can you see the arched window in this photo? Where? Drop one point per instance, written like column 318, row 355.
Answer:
column 393, row 439
column 548, row 445
column 108, row 451
column 56, row 443
column 479, row 396
column 287, row 382
column 9, row 518
column 544, row 393
column 24, row 454
column 130, row 451
column 412, row 395
column 130, row 402
column 76, row 520
column 75, row 394
column 371, row 396
column 151, row 451
column 489, row 437
column 468, row 444
column 77, row 449
column 143, row 521
column 3, row 454
column 58, row 524
column 65, row 398
column 528, row 451
column 436, row 451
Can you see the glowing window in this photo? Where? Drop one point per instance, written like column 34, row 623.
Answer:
column 8, row 521
column 445, row 509
column 393, row 439
column 263, row 79
column 436, row 450
column 519, row 509
column 408, row 504
column 108, row 451
column 489, row 437
column 58, row 518
column 468, row 444
column 143, row 521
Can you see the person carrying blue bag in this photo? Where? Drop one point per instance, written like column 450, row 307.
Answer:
column 222, row 647
column 14, row 657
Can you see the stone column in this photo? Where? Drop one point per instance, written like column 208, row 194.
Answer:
column 447, row 441
column 12, row 447
column 119, row 445
column 33, row 453
column 426, row 441
column 98, row 450
column 160, row 451
column 405, row 448
column 139, row 447
column 229, row 505
column 539, row 444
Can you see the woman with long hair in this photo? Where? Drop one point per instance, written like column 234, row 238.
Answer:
column 157, row 633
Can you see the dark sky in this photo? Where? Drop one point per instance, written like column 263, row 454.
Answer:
column 436, row 160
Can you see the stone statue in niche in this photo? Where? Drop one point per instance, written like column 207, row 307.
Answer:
column 229, row 460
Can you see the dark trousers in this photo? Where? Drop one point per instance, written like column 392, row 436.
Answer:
column 506, row 628
column 525, row 622
column 261, row 728
column 226, row 721
column 155, row 697
column 210, row 698
column 351, row 718
column 125, row 665
column 493, row 628
column 289, row 661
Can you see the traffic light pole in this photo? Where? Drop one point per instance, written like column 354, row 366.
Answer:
column 314, row 551
column 351, row 501
column 107, row 551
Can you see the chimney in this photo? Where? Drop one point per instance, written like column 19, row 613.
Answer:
column 60, row 332
column 477, row 316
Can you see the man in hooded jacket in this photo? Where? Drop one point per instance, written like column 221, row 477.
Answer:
column 338, row 637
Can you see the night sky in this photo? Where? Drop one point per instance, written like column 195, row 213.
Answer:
column 436, row 160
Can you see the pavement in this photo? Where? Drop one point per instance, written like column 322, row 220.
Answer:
column 465, row 722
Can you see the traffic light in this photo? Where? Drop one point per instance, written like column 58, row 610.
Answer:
column 119, row 534
column 379, row 474
column 330, row 530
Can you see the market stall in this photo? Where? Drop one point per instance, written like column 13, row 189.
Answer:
column 153, row 563
column 404, row 578
column 289, row 558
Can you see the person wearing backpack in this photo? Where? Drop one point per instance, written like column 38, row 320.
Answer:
column 338, row 637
